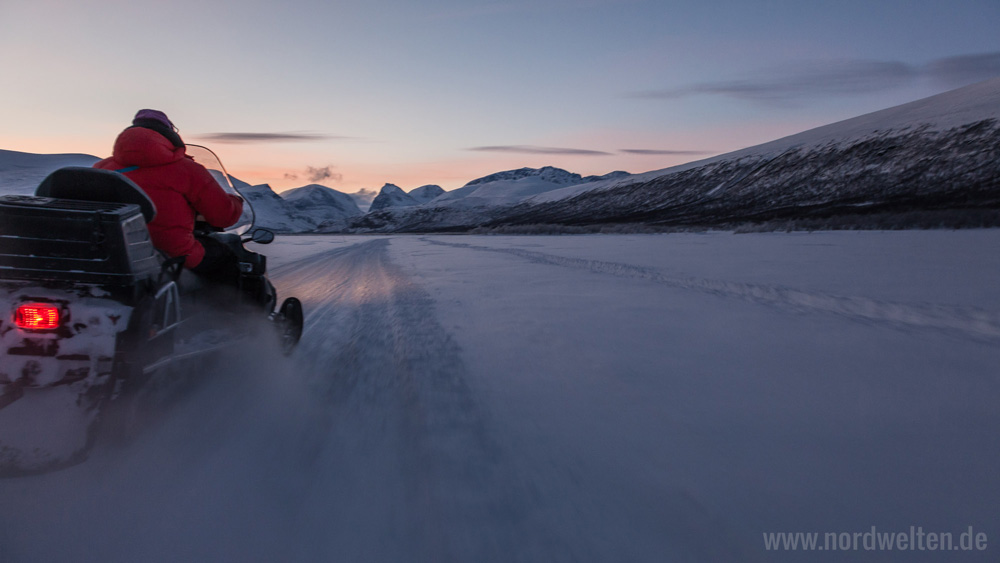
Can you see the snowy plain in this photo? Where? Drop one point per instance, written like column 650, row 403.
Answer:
column 585, row 398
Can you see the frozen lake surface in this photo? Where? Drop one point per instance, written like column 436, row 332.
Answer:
column 586, row 398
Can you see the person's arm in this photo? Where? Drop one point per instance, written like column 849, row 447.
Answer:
column 219, row 208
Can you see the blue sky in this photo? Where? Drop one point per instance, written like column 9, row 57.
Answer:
column 356, row 94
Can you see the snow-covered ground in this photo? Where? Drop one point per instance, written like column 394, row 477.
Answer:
column 591, row 398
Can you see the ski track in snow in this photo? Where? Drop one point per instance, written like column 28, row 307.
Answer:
column 969, row 322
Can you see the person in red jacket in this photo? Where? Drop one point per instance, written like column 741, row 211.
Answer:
column 152, row 154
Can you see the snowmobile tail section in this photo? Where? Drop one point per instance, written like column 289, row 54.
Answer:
column 81, row 293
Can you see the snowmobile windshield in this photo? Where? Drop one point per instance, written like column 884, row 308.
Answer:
column 205, row 157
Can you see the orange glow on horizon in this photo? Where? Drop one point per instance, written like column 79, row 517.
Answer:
column 58, row 145
column 352, row 170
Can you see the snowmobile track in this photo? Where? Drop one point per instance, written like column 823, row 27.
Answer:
column 967, row 322
column 395, row 379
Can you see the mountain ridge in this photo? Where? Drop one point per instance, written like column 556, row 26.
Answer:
column 938, row 154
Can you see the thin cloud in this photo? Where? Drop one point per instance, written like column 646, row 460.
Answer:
column 268, row 137
column 323, row 173
column 802, row 81
column 964, row 69
column 530, row 149
column 314, row 174
column 664, row 152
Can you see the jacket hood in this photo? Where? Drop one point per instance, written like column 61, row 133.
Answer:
column 138, row 146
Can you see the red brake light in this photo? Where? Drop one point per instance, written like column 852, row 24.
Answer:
column 37, row 316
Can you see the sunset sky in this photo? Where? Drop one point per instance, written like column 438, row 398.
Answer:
column 354, row 94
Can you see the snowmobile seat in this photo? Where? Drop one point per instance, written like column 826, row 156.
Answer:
column 93, row 184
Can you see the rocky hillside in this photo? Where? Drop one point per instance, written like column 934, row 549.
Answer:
column 893, row 172
column 933, row 162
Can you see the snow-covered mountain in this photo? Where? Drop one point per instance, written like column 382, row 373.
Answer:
column 472, row 204
column 423, row 194
column 273, row 212
column 20, row 172
column 939, row 155
column 499, row 189
column 391, row 195
column 510, row 186
column 299, row 210
column 321, row 202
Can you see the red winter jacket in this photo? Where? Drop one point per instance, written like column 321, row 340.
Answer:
column 179, row 187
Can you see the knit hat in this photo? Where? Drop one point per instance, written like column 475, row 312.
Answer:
column 154, row 114
column 159, row 122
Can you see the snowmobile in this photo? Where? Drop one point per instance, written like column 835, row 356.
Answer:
column 90, row 311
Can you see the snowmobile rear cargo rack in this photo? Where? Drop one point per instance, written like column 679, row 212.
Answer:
column 79, row 239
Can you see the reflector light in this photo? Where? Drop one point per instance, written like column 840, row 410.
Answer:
column 37, row 316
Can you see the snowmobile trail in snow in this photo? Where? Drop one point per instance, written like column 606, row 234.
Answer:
column 374, row 350
column 414, row 433
column 965, row 321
